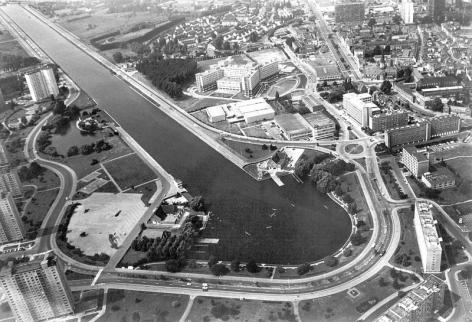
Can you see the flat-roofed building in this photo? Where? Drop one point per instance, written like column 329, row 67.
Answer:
column 416, row 161
column 249, row 111
column 382, row 121
column 358, row 107
column 427, row 236
column 324, row 128
column 10, row 225
column 440, row 179
column 42, row 83
column 216, row 114
column 293, row 126
column 419, row 304
column 10, row 182
column 445, row 125
column 37, row 290
column 408, row 134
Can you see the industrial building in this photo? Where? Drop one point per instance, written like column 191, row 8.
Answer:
column 358, row 107
column 293, row 126
column 385, row 120
column 42, row 83
column 10, row 225
column 442, row 178
column 419, row 304
column 444, row 125
column 416, row 161
column 229, row 77
column 37, row 290
column 324, row 128
column 429, row 242
column 249, row 111
column 349, row 12
column 10, row 182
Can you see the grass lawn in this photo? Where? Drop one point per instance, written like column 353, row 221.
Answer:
column 463, row 189
column 216, row 309
column 84, row 101
column 36, row 211
column 350, row 185
column 129, row 171
column 5, row 312
column 90, row 300
column 249, row 151
column 71, row 276
column 407, row 254
column 460, row 210
column 342, row 306
column 255, row 131
column 390, row 183
column 10, row 47
column 46, row 180
column 206, row 102
column 354, row 148
column 143, row 306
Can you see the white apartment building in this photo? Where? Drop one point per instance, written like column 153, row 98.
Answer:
column 406, row 11
column 10, row 226
column 416, row 161
column 428, row 240
column 42, row 83
column 36, row 290
column 207, row 80
column 358, row 107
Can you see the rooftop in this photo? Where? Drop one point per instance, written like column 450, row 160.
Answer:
column 428, row 224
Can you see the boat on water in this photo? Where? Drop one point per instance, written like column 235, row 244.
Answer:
column 247, row 233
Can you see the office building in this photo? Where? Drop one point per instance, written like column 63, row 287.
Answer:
column 37, row 290
column 437, row 9
column 10, row 225
column 349, row 12
column 293, row 126
column 249, row 111
column 10, row 182
column 42, row 83
column 418, row 305
column 406, row 11
column 442, row 178
column 444, row 125
column 358, row 107
column 416, row 161
column 231, row 77
column 429, row 242
column 384, row 120
column 216, row 114
column 324, row 128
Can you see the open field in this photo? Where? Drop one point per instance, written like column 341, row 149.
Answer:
column 143, row 306
column 102, row 221
column 129, row 171
column 103, row 22
column 283, row 87
column 462, row 167
column 215, row 309
column 249, row 151
column 349, row 305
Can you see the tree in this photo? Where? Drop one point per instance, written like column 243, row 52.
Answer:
column 347, row 252
column 118, row 57
column 352, row 208
column 219, row 269
column 277, row 96
column 218, row 42
column 437, row 105
column 173, row 265
column 253, row 37
column 396, row 19
column 59, row 107
column 371, row 22
column 252, row 267
column 226, row 45
column 212, row 261
column 197, row 203
column 386, row 87
column 331, row 261
column 73, row 150
column 357, row 239
column 235, row 263
column 303, row 269
column 338, row 190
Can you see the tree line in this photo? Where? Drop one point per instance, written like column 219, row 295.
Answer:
column 168, row 75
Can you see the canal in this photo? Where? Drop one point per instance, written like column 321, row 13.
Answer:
column 253, row 220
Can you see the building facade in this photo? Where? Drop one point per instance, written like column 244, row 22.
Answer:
column 323, row 127
column 42, row 83
column 358, row 107
column 416, row 161
column 10, row 225
column 406, row 11
column 387, row 120
column 37, row 290
column 427, row 236
column 419, row 304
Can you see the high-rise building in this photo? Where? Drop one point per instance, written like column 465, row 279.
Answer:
column 358, row 107
column 406, row 11
column 36, row 290
column 416, row 161
column 381, row 120
column 427, row 236
column 437, row 9
column 349, row 12
column 4, row 164
column 419, row 304
column 10, row 225
column 42, row 83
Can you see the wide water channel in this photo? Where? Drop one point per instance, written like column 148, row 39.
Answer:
column 253, row 220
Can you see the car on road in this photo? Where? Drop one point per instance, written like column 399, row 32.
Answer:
column 205, row 287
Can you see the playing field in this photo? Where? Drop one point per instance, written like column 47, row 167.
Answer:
column 129, row 171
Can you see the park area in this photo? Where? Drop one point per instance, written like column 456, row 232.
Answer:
column 101, row 222
column 217, row 309
column 351, row 304
column 125, row 306
column 462, row 168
